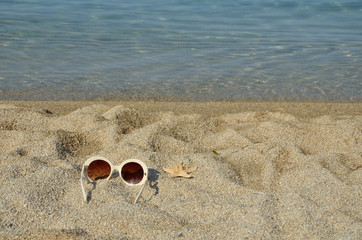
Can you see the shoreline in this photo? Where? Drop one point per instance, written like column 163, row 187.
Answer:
column 139, row 94
column 298, row 108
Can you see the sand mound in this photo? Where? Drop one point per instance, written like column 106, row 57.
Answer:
column 261, row 174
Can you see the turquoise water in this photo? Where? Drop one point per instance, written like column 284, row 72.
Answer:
column 198, row 50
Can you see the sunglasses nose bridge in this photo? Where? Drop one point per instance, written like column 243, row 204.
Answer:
column 115, row 172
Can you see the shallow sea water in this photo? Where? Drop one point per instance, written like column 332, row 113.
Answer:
column 197, row 50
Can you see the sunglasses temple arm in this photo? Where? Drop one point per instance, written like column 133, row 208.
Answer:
column 139, row 194
column 81, row 184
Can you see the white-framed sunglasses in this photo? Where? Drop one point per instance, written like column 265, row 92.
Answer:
column 133, row 172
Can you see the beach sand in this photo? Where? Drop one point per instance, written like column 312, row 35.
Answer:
column 265, row 170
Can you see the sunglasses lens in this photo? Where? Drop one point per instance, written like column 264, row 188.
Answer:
column 98, row 169
column 132, row 173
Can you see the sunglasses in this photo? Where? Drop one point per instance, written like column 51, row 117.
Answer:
column 133, row 172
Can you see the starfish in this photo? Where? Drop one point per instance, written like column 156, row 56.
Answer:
column 180, row 170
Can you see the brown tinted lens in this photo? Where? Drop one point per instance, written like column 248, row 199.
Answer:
column 132, row 173
column 98, row 169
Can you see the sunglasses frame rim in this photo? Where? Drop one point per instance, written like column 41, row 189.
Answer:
column 95, row 158
column 142, row 164
column 116, row 167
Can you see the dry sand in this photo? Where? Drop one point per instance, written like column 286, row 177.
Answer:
column 265, row 170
